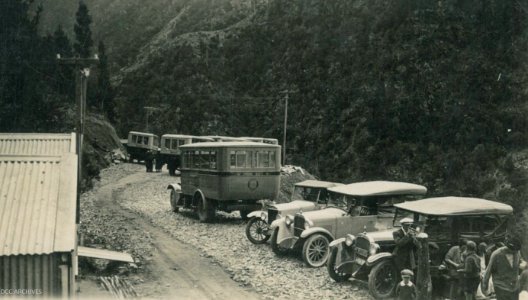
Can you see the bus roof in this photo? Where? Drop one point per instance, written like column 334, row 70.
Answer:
column 455, row 206
column 317, row 184
column 228, row 144
column 141, row 133
column 177, row 136
column 380, row 188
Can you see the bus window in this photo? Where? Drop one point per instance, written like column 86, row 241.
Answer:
column 263, row 159
column 167, row 143
column 175, row 144
column 241, row 157
column 212, row 160
column 272, row 159
column 145, row 140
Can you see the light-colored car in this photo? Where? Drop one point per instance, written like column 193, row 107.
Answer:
column 352, row 208
column 446, row 220
column 307, row 195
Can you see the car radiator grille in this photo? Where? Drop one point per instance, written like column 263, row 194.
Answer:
column 298, row 225
column 362, row 247
column 272, row 215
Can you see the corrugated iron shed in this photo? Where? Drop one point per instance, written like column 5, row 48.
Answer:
column 37, row 204
column 36, row 143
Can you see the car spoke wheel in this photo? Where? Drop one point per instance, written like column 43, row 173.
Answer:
column 383, row 279
column 256, row 231
column 315, row 250
column 277, row 249
column 332, row 270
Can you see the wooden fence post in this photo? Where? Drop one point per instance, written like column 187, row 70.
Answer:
column 423, row 278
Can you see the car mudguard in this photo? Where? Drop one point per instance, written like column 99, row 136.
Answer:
column 174, row 186
column 336, row 242
column 307, row 232
column 374, row 259
column 257, row 213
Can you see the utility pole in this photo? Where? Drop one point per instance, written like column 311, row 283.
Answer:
column 82, row 72
column 148, row 110
column 285, row 125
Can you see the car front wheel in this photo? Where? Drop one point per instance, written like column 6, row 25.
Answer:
column 382, row 279
column 256, row 231
column 332, row 271
column 315, row 250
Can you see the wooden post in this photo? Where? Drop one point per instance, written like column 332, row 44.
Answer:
column 423, row 278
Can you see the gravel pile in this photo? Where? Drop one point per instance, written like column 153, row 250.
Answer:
column 225, row 243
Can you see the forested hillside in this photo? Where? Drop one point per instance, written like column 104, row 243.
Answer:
column 427, row 91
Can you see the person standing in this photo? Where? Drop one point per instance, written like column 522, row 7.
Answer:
column 406, row 290
column 453, row 261
column 504, row 266
column 406, row 244
column 470, row 271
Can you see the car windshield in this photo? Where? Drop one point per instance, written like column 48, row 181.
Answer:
column 305, row 193
column 340, row 200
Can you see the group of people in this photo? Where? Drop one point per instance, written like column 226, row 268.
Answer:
column 474, row 271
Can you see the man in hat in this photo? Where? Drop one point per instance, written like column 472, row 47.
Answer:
column 406, row 290
column 406, row 244
column 470, row 270
column 504, row 266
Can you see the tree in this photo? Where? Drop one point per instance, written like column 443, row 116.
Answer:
column 104, row 93
column 83, row 34
column 64, row 74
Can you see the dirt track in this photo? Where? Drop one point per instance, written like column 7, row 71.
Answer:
column 175, row 270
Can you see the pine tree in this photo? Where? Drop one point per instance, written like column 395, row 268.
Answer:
column 83, row 34
column 104, row 93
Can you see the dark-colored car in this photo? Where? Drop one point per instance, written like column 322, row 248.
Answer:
column 446, row 220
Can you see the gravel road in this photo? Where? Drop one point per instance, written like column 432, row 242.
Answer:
column 254, row 267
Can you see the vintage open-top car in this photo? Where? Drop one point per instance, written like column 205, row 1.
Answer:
column 350, row 208
column 307, row 195
column 446, row 220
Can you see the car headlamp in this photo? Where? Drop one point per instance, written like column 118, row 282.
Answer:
column 350, row 240
column 374, row 247
column 308, row 224
column 263, row 216
column 289, row 220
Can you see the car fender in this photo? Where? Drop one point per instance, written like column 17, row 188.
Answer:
column 307, row 232
column 275, row 224
column 374, row 259
column 174, row 186
column 256, row 213
column 336, row 242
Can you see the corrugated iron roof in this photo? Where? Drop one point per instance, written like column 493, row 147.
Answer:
column 36, row 143
column 37, row 204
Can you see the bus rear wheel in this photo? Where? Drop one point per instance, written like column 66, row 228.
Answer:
column 205, row 209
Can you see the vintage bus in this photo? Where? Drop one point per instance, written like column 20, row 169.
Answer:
column 170, row 149
column 227, row 176
column 140, row 143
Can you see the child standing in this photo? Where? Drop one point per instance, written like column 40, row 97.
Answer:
column 406, row 289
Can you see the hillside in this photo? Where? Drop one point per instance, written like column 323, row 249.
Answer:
column 424, row 91
column 427, row 91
